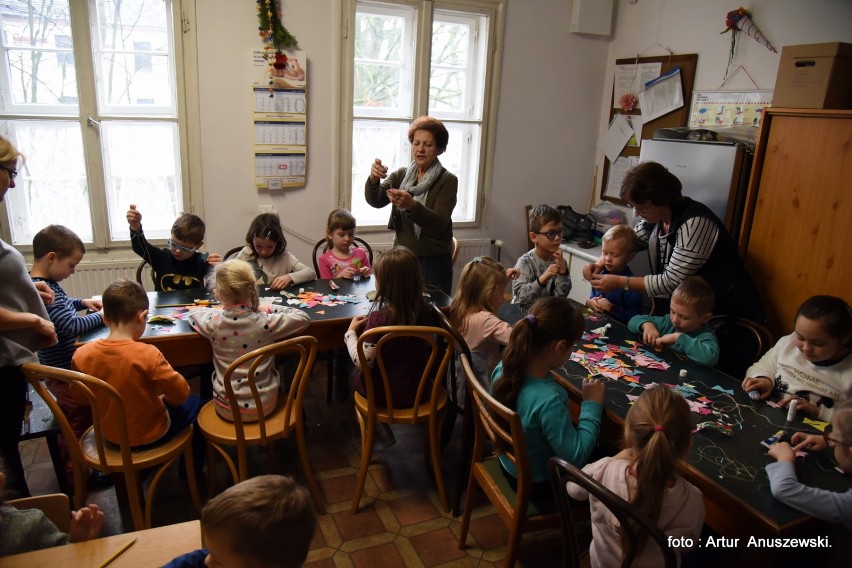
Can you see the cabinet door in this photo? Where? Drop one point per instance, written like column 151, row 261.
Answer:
column 802, row 227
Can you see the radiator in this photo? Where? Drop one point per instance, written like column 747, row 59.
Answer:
column 92, row 278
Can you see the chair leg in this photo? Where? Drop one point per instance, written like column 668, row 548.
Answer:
column 152, row 489
column 134, row 496
column 368, row 427
column 189, row 462
column 435, row 422
column 468, row 506
column 512, row 545
column 464, row 457
column 308, row 471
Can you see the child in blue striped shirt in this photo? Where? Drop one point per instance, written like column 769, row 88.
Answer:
column 57, row 251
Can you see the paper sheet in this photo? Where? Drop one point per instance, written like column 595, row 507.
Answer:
column 617, row 170
column 662, row 95
column 616, row 137
column 631, row 78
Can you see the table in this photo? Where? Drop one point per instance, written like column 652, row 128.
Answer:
column 183, row 347
column 728, row 470
column 153, row 547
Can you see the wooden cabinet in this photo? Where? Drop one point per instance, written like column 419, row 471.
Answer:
column 797, row 226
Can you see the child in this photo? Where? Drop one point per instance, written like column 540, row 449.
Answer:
column 57, row 250
column 238, row 328
column 619, row 247
column 138, row 371
column 179, row 266
column 399, row 301
column 812, row 364
column 264, row 521
column 473, row 312
column 267, row 254
column 26, row 530
column 685, row 329
column 542, row 271
column 657, row 434
column 820, row 503
column 342, row 260
column 541, row 341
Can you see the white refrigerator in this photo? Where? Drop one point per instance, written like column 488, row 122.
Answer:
column 712, row 172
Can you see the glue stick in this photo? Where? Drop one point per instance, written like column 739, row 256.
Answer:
column 791, row 410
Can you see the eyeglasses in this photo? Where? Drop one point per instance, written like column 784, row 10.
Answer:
column 180, row 248
column 12, row 173
column 640, row 213
column 831, row 442
column 551, row 235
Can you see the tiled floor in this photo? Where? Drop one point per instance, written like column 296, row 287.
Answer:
column 400, row 522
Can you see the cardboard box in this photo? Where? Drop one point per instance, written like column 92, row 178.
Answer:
column 814, row 76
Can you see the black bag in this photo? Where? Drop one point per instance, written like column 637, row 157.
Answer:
column 576, row 226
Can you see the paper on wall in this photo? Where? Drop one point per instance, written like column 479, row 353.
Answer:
column 630, row 78
column 616, row 137
column 662, row 95
column 617, row 170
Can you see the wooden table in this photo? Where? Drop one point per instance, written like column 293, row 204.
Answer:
column 182, row 346
column 730, row 471
column 153, row 547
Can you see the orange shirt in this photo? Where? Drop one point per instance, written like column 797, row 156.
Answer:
column 140, row 373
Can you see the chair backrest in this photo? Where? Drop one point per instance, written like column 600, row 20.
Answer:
column 741, row 343
column 441, row 317
column 437, row 346
column 55, row 506
column 455, row 254
column 306, row 347
column 232, row 253
column 142, row 269
column 321, row 247
column 502, row 426
column 562, row 472
column 98, row 394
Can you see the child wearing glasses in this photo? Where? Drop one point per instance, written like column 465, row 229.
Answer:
column 180, row 266
column 821, row 503
column 542, row 270
column 618, row 247
column 812, row 364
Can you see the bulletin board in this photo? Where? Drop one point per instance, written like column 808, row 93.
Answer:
column 679, row 117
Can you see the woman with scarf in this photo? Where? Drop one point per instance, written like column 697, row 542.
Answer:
column 422, row 196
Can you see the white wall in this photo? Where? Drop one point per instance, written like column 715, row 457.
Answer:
column 553, row 105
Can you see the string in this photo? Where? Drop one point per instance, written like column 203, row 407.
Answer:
column 728, row 467
column 738, row 69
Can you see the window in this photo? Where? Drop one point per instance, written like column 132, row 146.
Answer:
column 413, row 58
column 90, row 95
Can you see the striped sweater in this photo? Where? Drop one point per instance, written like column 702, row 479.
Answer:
column 63, row 314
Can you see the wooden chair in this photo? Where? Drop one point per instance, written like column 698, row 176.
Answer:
column 741, row 343
column 430, row 399
column 55, row 506
column 502, row 427
column 455, row 250
column 93, row 451
column 143, row 268
column 286, row 419
column 320, row 248
column 561, row 472
column 467, row 414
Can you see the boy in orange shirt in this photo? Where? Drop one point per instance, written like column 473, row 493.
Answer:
column 139, row 372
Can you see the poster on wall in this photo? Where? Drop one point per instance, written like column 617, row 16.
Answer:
column 279, row 109
column 728, row 108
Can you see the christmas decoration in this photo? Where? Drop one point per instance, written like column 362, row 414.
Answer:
column 740, row 20
column 275, row 36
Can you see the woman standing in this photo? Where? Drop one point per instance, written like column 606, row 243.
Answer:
column 683, row 238
column 24, row 328
column 423, row 196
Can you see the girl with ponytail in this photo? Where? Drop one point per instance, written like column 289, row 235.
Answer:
column 657, row 434
column 540, row 342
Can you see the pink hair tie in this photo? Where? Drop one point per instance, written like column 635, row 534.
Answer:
column 659, row 428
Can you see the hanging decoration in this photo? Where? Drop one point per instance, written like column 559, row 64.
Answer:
column 275, row 36
column 740, row 20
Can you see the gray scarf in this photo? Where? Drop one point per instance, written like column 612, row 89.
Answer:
column 419, row 190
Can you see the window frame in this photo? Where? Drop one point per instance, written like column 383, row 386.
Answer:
column 186, row 117
column 494, row 10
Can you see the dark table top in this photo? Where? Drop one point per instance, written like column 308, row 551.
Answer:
column 729, row 466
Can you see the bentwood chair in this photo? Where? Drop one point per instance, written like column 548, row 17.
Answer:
column 502, row 426
column 145, row 269
column 55, row 506
column 232, row 253
column 287, row 418
column 93, row 451
column 320, row 248
column 635, row 521
column 455, row 253
column 741, row 343
column 430, row 399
